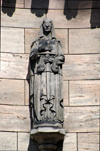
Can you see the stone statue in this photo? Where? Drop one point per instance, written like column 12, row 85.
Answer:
column 46, row 93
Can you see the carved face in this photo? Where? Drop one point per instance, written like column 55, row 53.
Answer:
column 47, row 26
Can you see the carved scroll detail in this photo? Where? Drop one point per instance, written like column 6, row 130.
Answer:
column 50, row 104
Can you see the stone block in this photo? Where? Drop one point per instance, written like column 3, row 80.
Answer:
column 22, row 18
column 78, row 67
column 14, row 118
column 88, row 141
column 68, row 19
column 12, row 3
column 14, row 66
column 75, row 67
column 84, row 92
column 8, row 141
column 70, row 142
column 65, row 92
column 57, row 4
column 81, row 119
column 23, row 141
column 11, row 92
column 32, row 34
column 62, row 35
column 84, row 41
column 27, row 3
column 12, row 40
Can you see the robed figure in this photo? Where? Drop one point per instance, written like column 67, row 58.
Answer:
column 46, row 92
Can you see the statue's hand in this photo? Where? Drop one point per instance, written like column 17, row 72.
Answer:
column 48, row 48
column 33, row 54
column 45, row 48
column 60, row 59
column 41, row 48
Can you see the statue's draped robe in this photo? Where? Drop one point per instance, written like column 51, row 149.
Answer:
column 46, row 93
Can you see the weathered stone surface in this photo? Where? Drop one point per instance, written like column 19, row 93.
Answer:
column 84, row 41
column 13, row 3
column 88, row 141
column 65, row 92
column 82, row 20
column 23, row 141
column 81, row 119
column 26, row 92
column 11, row 91
column 28, row 4
column 81, row 67
column 14, row 66
column 70, row 142
column 32, row 34
column 62, row 35
column 84, row 93
column 75, row 67
column 56, row 4
column 22, row 18
column 14, row 118
column 8, row 141
column 12, row 40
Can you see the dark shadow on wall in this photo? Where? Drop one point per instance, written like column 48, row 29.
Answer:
column 30, row 104
column 71, row 8
column 60, row 146
column 95, row 14
column 32, row 144
column 8, row 7
column 39, row 7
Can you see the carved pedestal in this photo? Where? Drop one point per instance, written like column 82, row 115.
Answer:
column 47, row 137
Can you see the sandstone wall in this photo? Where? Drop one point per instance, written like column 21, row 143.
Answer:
column 77, row 27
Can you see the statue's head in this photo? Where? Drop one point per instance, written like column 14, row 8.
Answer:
column 47, row 24
column 47, row 27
